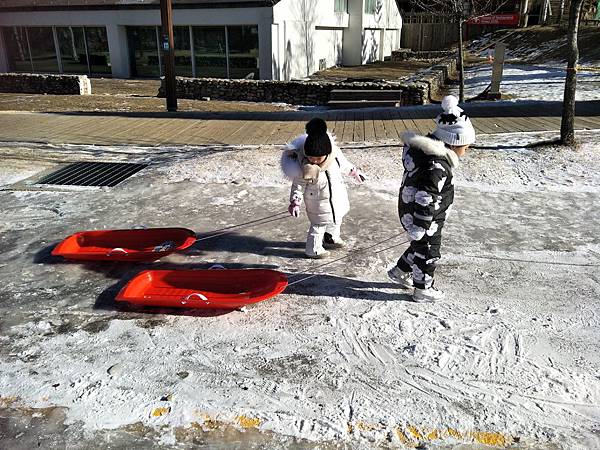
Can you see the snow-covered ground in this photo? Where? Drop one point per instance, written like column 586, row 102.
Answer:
column 531, row 82
column 512, row 356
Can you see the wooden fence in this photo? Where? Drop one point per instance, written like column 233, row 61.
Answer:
column 426, row 32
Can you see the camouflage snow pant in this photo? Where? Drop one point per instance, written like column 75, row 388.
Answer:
column 420, row 258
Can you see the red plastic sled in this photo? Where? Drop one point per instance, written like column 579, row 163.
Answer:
column 205, row 289
column 146, row 244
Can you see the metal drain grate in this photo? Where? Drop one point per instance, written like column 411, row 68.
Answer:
column 92, row 174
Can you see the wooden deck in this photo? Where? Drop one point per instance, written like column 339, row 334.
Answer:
column 274, row 128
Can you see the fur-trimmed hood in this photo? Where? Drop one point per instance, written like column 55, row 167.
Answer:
column 294, row 162
column 431, row 147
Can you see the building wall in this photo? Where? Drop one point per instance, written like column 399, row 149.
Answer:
column 116, row 21
column 381, row 31
column 307, row 31
column 294, row 36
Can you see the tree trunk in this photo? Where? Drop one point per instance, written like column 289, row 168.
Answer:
column 461, row 63
column 567, row 125
column 524, row 13
column 561, row 11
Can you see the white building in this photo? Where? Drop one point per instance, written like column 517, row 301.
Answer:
column 266, row 39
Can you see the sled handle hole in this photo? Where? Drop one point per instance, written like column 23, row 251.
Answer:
column 117, row 250
column 195, row 295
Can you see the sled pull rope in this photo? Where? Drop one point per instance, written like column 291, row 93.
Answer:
column 348, row 255
column 232, row 228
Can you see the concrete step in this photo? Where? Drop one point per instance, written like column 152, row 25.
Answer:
column 347, row 104
column 365, row 94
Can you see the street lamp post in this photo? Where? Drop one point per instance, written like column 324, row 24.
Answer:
column 166, row 16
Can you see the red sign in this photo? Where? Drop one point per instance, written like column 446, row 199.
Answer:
column 496, row 19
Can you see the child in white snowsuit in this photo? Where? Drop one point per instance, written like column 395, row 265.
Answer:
column 426, row 195
column 316, row 166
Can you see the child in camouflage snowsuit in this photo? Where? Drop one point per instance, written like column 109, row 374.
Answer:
column 426, row 195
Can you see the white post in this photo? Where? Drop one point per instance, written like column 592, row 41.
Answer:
column 119, row 51
column 265, row 49
column 497, row 70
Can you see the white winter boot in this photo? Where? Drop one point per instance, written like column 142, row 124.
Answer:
column 428, row 295
column 319, row 254
column 397, row 275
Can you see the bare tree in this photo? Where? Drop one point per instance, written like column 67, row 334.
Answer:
column 567, row 125
column 460, row 11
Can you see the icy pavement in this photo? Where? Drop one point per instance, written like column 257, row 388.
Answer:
column 342, row 359
column 531, row 82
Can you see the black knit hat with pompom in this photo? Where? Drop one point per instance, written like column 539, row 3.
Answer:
column 317, row 142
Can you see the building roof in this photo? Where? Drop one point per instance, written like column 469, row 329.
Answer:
column 36, row 5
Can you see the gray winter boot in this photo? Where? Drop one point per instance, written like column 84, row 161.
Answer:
column 397, row 275
column 428, row 295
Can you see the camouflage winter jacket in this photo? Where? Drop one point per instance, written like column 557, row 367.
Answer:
column 427, row 190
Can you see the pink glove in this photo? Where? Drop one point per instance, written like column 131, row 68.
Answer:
column 358, row 175
column 294, row 209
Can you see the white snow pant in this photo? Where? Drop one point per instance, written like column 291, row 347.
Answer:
column 316, row 232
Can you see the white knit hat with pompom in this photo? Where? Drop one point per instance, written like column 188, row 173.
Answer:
column 453, row 126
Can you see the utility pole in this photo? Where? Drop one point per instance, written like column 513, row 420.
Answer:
column 167, row 44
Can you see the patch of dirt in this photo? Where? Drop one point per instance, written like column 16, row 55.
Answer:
column 105, row 102
column 380, row 70
column 128, row 88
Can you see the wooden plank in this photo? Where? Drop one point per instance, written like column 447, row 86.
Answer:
column 369, row 125
column 591, row 123
column 359, row 126
column 348, row 127
column 263, row 128
column 181, row 136
column 380, row 133
column 390, row 128
column 485, row 125
column 506, row 126
column 402, row 126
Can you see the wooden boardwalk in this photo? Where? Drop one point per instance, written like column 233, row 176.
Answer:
column 160, row 129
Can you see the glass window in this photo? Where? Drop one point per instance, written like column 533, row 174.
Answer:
column 209, row 51
column 72, row 49
column 371, row 6
column 341, row 6
column 243, row 51
column 143, row 52
column 15, row 40
column 183, row 51
column 97, row 47
column 43, row 54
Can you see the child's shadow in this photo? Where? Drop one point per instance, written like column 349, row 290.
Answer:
column 324, row 285
column 237, row 243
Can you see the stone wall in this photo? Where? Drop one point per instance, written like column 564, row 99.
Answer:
column 434, row 78
column 45, row 84
column 292, row 92
column 404, row 54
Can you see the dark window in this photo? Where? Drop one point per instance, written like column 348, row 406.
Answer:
column 17, row 49
column 183, row 51
column 43, row 53
column 209, row 51
column 143, row 52
column 243, row 51
column 97, row 46
column 73, row 54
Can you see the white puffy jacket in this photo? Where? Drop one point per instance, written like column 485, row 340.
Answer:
column 325, row 197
